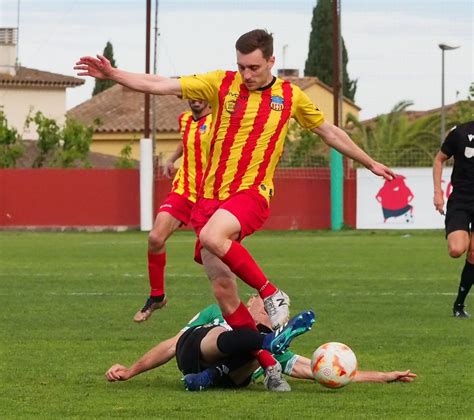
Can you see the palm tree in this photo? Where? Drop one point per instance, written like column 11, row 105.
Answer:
column 396, row 140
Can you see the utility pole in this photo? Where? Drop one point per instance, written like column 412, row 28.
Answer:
column 146, row 131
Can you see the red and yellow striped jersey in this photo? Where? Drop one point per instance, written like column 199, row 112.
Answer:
column 196, row 137
column 249, row 129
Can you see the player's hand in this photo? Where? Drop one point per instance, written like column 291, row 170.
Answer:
column 98, row 67
column 381, row 170
column 117, row 373
column 438, row 202
column 406, row 376
column 168, row 169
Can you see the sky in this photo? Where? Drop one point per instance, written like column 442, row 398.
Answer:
column 392, row 44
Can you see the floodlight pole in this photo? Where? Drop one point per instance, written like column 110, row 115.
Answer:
column 444, row 47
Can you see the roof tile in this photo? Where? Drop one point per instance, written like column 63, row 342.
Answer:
column 31, row 77
column 121, row 110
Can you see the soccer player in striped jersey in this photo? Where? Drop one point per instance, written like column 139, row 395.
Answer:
column 175, row 211
column 251, row 111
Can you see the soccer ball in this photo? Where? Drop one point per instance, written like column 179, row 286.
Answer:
column 333, row 365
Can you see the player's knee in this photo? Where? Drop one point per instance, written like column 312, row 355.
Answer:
column 156, row 241
column 210, row 242
column 456, row 251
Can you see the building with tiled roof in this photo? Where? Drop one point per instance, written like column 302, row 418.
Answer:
column 118, row 115
column 24, row 91
column 25, row 77
column 120, row 112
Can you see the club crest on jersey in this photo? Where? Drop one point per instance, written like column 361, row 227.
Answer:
column 203, row 128
column 277, row 103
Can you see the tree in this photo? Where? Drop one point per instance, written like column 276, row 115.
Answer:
column 76, row 140
column 101, row 85
column 125, row 161
column 320, row 55
column 396, row 140
column 305, row 149
column 49, row 137
column 65, row 147
column 10, row 148
column 464, row 111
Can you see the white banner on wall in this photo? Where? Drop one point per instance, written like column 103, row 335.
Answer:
column 404, row 203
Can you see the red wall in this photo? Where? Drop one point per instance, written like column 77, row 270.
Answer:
column 72, row 197
column 301, row 201
column 111, row 197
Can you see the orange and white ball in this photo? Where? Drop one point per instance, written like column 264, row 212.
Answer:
column 334, row 365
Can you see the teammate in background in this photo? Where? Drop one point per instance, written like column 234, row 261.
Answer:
column 209, row 338
column 194, row 126
column 459, row 222
column 251, row 111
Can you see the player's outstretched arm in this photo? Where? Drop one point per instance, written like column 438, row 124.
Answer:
column 338, row 139
column 384, row 377
column 438, row 199
column 157, row 356
column 302, row 370
column 100, row 68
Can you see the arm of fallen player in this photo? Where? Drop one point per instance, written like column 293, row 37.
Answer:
column 157, row 356
column 302, row 370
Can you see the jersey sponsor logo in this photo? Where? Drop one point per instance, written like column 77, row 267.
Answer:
column 469, row 152
column 232, row 105
column 277, row 103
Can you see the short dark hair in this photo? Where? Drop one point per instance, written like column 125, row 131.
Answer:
column 256, row 39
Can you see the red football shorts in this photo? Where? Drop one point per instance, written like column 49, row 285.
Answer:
column 248, row 206
column 178, row 206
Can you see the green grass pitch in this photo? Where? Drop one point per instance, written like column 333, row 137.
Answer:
column 67, row 302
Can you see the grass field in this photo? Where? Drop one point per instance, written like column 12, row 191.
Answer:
column 67, row 302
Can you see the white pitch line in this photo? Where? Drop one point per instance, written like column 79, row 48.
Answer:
column 332, row 294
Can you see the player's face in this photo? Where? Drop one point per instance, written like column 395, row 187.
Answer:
column 257, row 310
column 255, row 69
column 197, row 106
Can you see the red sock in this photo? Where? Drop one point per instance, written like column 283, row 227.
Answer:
column 240, row 318
column 156, row 273
column 265, row 358
column 244, row 266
